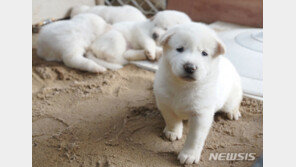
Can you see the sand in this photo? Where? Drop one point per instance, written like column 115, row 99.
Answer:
column 82, row 119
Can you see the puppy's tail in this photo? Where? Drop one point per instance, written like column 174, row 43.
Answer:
column 103, row 63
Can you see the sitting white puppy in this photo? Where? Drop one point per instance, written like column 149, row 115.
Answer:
column 111, row 14
column 67, row 40
column 129, row 41
column 194, row 81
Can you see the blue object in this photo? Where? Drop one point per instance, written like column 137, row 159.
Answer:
column 259, row 162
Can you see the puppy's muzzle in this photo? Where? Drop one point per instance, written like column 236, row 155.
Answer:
column 189, row 68
column 155, row 36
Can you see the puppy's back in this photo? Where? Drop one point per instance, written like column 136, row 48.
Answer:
column 57, row 37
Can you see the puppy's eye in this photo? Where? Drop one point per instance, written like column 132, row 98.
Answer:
column 180, row 49
column 204, row 53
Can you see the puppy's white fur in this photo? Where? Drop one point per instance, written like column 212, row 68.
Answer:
column 215, row 85
column 67, row 40
column 111, row 14
column 129, row 41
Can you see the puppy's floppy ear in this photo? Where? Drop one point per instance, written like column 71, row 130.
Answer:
column 220, row 48
column 165, row 38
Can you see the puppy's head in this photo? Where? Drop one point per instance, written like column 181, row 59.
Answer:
column 191, row 51
column 164, row 20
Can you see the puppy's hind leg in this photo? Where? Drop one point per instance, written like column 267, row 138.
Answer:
column 134, row 55
column 77, row 61
column 232, row 105
column 108, row 65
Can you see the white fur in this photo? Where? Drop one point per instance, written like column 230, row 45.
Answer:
column 161, row 23
column 67, row 40
column 215, row 85
column 111, row 14
column 128, row 41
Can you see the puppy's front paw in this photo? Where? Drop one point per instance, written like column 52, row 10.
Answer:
column 172, row 135
column 149, row 55
column 235, row 115
column 189, row 157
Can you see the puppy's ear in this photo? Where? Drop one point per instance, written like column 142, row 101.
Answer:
column 165, row 38
column 220, row 49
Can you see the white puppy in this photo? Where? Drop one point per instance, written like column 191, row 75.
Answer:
column 111, row 14
column 67, row 40
column 193, row 82
column 128, row 41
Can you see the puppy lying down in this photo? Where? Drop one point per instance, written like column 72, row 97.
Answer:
column 89, row 35
column 67, row 41
column 133, row 41
column 111, row 14
column 194, row 81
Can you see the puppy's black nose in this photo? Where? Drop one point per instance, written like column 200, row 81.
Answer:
column 154, row 36
column 189, row 68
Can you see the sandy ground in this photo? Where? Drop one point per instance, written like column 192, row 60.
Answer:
column 82, row 119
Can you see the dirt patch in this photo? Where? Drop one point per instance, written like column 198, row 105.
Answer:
column 83, row 119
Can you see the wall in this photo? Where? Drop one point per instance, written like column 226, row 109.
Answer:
column 45, row 9
column 245, row 12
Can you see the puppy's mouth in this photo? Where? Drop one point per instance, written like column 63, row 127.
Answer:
column 189, row 78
